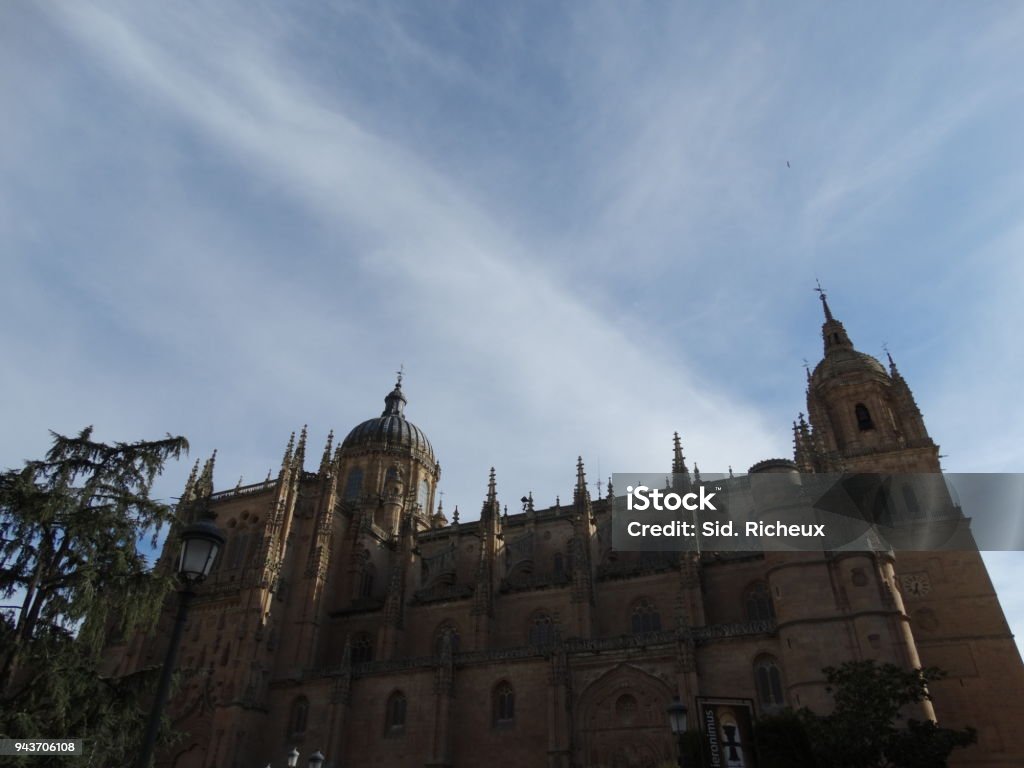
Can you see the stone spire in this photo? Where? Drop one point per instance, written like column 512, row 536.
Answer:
column 832, row 331
column 325, row 461
column 908, row 412
column 300, row 450
column 490, row 531
column 678, row 460
column 802, row 448
column 491, row 509
column 204, row 486
column 190, row 485
column 580, row 495
column 289, row 451
column 680, row 474
column 583, row 534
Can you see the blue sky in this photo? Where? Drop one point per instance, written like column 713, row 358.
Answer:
column 574, row 224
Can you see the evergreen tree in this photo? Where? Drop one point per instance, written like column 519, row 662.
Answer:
column 865, row 730
column 70, row 530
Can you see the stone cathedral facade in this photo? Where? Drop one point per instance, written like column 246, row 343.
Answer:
column 347, row 614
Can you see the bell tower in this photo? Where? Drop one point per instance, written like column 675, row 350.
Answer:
column 862, row 417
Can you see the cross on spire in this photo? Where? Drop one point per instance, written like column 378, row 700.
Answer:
column 824, row 299
column 400, row 372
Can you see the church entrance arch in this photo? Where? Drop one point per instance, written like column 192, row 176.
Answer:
column 622, row 721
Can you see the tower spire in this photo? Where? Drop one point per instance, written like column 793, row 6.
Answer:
column 680, row 474
column 581, row 493
column 491, row 508
column 832, row 331
column 824, row 300
column 678, row 460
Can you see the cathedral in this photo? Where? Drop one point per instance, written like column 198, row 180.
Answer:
column 348, row 615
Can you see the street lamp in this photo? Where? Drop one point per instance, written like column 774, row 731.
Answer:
column 293, row 757
column 677, row 722
column 316, row 760
column 200, row 543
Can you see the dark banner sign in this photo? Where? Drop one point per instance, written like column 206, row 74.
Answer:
column 728, row 726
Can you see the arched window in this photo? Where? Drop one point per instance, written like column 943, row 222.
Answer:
column 424, row 495
column 354, row 484
column 504, row 704
column 446, row 629
column 768, row 681
column 362, row 649
column 366, row 580
column 298, row 716
column 542, row 630
column 758, row 602
column 645, row 618
column 394, row 718
column 863, row 415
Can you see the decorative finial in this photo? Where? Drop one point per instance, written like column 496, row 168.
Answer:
column 730, row 471
column 892, row 363
column 288, row 451
column 824, row 299
column 190, row 484
column 400, row 372
column 455, row 515
column 678, row 460
column 325, row 462
column 204, row 487
column 395, row 401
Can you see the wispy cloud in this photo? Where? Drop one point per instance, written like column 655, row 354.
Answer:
column 577, row 228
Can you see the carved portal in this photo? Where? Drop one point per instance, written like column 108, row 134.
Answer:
column 622, row 721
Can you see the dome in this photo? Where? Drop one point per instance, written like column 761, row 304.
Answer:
column 773, row 466
column 390, row 431
column 839, row 362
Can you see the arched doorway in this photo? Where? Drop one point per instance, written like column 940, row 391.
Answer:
column 621, row 721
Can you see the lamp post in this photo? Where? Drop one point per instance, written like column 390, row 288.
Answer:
column 316, row 760
column 200, row 543
column 293, row 757
column 677, row 722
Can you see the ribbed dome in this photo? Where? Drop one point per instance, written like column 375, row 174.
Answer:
column 839, row 362
column 390, row 431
